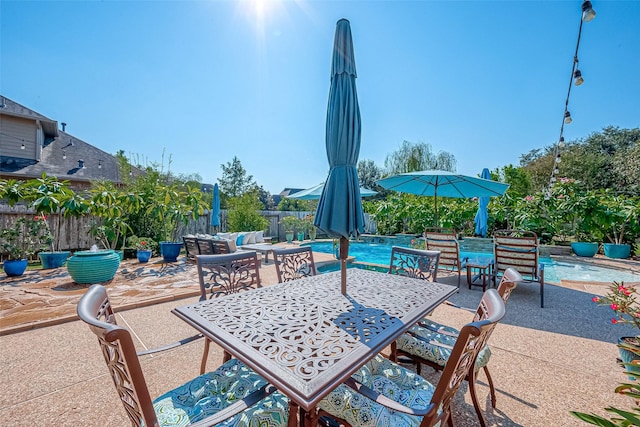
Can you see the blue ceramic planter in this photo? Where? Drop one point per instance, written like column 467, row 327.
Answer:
column 14, row 267
column 612, row 250
column 628, row 356
column 170, row 250
column 87, row 267
column 585, row 249
column 143, row 256
column 53, row 259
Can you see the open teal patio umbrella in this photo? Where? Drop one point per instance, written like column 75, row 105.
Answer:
column 437, row 183
column 315, row 192
column 482, row 216
column 215, row 207
column 339, row 212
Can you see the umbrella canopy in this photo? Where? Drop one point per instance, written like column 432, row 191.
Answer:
column 482, row 216
column 444, row 184
column 315, row 192
column 215, row 207
column 339, row 212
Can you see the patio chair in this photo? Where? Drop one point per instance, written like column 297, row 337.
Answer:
column 518, row 249
column 205, row 246
column 384, row 393
column 294, row 263
column 446, row 242
column 191, row 247
column 226, row 274
column 232, row 390
column 416, row 263
column 430, row 343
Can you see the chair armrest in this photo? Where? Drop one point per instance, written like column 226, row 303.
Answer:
column 172, row 345
column 472, row 310
column 385, row 401
column 237, row 407
column 432, row 342
column 437, row 330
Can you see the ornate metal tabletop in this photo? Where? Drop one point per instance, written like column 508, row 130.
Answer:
column 304, row 336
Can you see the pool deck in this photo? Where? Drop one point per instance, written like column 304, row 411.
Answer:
column 544, row 363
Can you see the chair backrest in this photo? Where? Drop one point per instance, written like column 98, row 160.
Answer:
column 294, row 263
column 119, row 354
column 205, row 246
column 516, row 249
column 416, row 263
column 445, row 242
column 191, row 247
column 508, row 283
column 470, row 341
column 228, row 273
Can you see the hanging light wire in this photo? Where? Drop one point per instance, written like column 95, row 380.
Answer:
column 587, row 14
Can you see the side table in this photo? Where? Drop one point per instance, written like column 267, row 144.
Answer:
column 483, row 269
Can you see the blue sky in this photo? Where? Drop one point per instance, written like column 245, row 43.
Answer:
column 209, row 80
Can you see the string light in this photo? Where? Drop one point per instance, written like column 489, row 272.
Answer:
column 575, row 78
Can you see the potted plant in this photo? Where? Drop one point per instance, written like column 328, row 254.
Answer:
column 26, row 237
column 173, row 205
column 52, row 200
column 145, row 247
column 622, row 300
column 311, row 229
column 111, row 208
column 618, row 221
column 290, row 223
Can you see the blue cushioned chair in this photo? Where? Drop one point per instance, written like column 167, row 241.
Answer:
column 232, row 395
column 431, row 343
column 385, row 394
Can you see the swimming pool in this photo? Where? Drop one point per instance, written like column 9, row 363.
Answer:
column 554, row 270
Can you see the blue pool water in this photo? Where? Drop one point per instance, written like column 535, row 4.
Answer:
column 554, row 270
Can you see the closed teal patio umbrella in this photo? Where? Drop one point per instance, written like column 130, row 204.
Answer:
column 339, row 212
column 215, row 207
column 482, row 217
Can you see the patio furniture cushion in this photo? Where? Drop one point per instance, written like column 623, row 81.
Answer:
column 429, row 345
column 389, row 379
column 260, row 236
column 210, row 393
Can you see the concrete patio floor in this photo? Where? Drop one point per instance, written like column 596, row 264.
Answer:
column 544, row 362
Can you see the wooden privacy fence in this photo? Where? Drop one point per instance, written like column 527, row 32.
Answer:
column 74, row 231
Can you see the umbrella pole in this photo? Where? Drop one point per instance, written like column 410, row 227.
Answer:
column 435, row 215
column 344, row 253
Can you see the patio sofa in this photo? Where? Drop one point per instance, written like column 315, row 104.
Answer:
column 224, row 243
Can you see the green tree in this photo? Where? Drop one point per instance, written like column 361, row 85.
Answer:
column 517, row 177
column 244, row 213
column 235, row 181
column 368, row 174
column 411, row 157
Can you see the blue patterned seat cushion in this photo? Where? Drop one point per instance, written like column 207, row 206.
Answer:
column 214, row 391
column 427, row 346
column 389, row 379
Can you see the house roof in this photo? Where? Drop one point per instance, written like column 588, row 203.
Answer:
column 65, row 157
column 12, row 108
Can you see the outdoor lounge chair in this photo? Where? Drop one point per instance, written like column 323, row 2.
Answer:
column 518, row 249
column 226, row 274
column 416, row 263
column 430, row 343
column 384, row 393
column 232, row 390
column 294, row 263
column 191, row 247
column 446, row 242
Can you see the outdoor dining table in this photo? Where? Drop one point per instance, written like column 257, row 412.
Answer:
column 305, row 337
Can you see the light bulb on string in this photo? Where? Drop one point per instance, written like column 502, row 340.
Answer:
column 558, row 159
column 567, row 117
column 561, row 142
column 587, row 11
column 577, row 76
